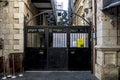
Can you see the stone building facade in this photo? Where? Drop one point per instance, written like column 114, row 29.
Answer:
column 106, row 25
column 12, row 24
column 84, row 9
column 107, row 65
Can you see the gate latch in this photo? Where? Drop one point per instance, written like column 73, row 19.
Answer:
column 72, row 52
column 41, row 52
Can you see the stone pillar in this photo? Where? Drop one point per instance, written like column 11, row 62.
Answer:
column 107, row 47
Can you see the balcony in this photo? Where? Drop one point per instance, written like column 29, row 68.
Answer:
column 42, row 4
column 110, row 3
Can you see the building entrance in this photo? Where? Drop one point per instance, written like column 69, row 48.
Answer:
column 55, row 47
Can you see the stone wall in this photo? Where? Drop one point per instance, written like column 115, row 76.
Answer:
column 12, row 24
column 107, row 63
column 82, row 8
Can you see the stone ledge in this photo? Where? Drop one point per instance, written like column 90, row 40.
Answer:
column 107, row 48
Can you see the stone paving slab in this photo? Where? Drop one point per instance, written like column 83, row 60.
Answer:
column 57, row 75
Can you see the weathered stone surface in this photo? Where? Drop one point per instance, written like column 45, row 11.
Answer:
column 18, row 36
column 16, row 4
column 18, row 26
column 110, row 58
column 108, row 43
column 100, row 58
column 16, row 47
column 110, row 72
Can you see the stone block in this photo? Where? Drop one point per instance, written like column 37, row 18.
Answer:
column 16, row 10
column 119, row 33
column 16, row 31
column 99, row 33
column 11, row 41
column 18, row 26
column 18, row 36
column 8, row 36
column 6, row 42
column 99, row 41
column 0, row 53
column 16, row 47
column 21, row 50
column 16, row 21
column 100, row 58
column 110, row 72
column 5, row 31
column 98, row 71
column 21, row 7
column 110, row 58
column 18, row 15
column 21, row 21
column 109, row 40
column 113, row 33
column 10, row 26
column 16, row 4
column 16, row 42
column 21, row 42
column 21, row 31
column 119, row 58
column 8, row 47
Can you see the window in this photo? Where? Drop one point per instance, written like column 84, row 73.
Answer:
column 59, row 14
column 79, row 40
column 36, row 40
column 58, row 40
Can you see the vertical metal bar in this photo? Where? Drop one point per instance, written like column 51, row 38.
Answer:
column 31, row 40
column 21, row 66
column 13, row 64
column 61, row 43
column 46, row 33
column 85, row 40
column 63, row 40
column 4, row 68
column 72, row 39
column 53, row 39
column 8, row 66
column 60, row 40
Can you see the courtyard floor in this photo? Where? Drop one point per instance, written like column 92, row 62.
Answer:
column 57, row 75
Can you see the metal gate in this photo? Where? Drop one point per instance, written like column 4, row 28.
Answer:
column 57, row 48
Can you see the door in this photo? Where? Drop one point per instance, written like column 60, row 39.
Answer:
column 36, row 51
column 79, row 50
column 57, row 58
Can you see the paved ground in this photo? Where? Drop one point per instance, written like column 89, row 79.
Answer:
column 50, row 75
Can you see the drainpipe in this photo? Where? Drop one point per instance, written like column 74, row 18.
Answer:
column 95, row 31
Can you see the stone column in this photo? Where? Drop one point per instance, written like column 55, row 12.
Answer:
column 107, row 47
